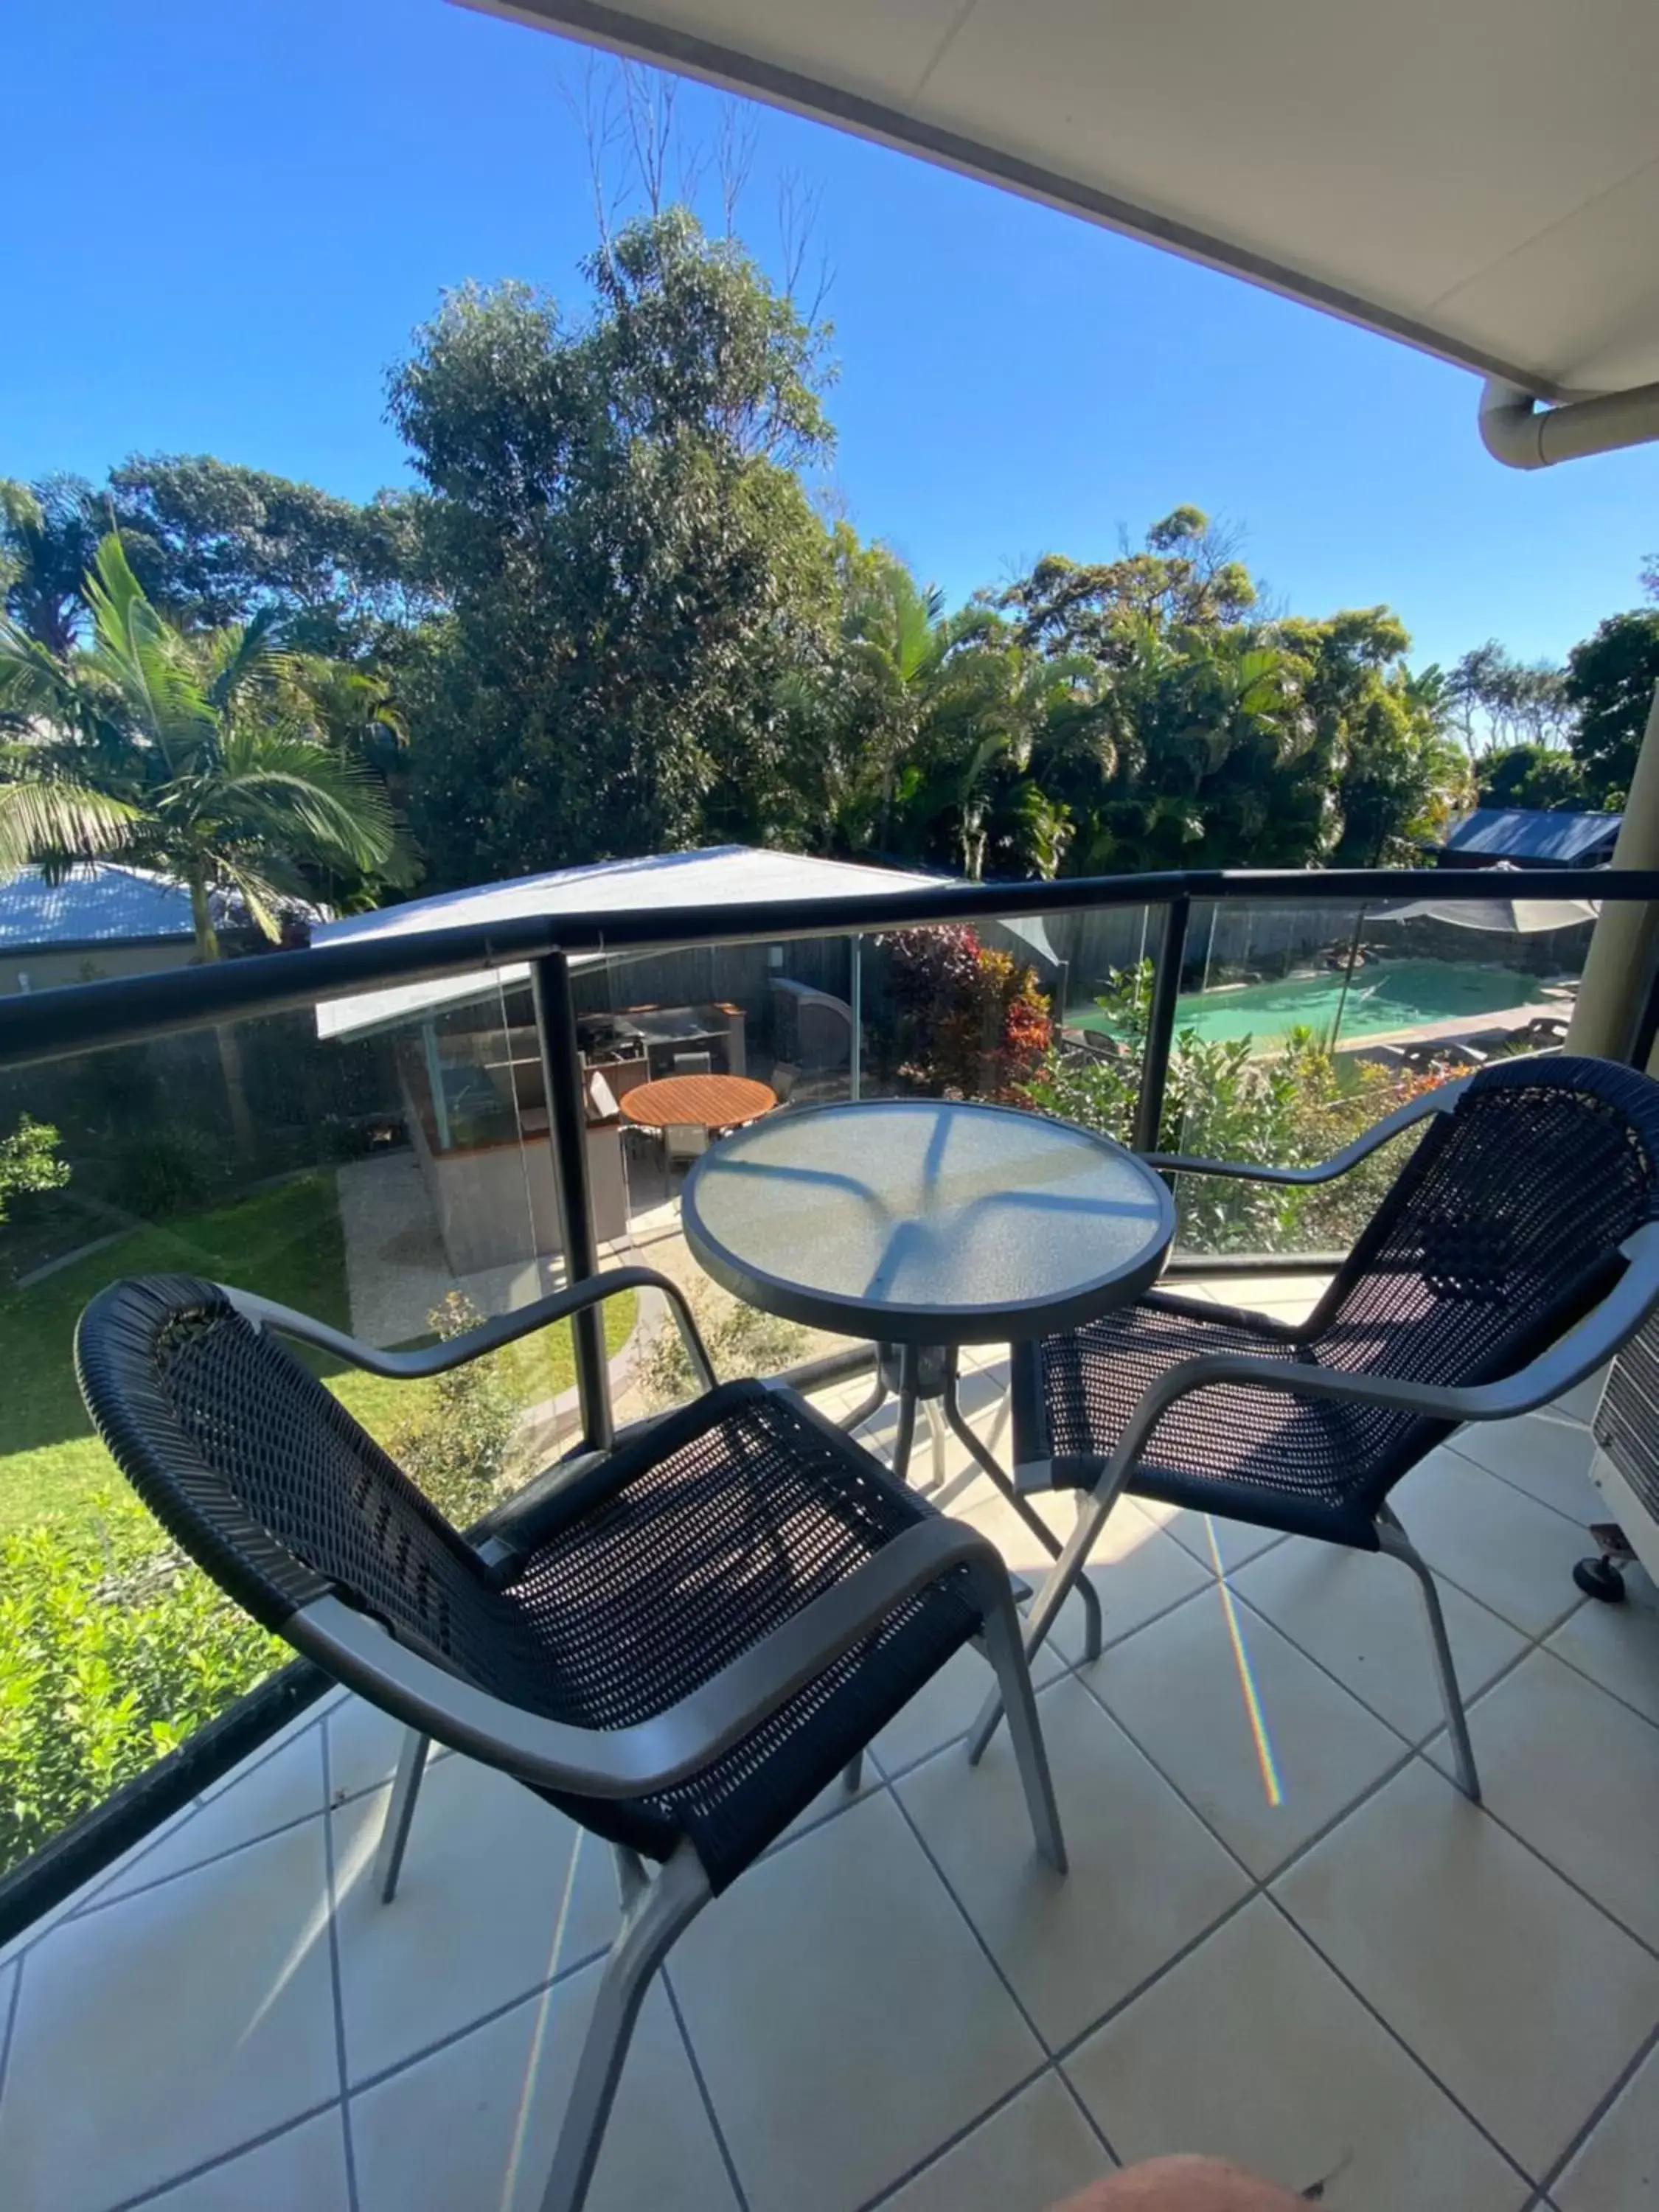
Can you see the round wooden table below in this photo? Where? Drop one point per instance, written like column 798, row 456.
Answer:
column 698, row 1102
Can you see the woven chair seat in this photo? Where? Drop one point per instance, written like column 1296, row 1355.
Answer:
column 633, row 1583
column 682, row 1552
column 1257, row 1455
column 1503, row 1229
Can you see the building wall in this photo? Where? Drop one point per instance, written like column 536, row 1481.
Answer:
column 496, row 1204
column 47, row 968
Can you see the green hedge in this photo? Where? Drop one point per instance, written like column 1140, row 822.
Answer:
column 113, row 1649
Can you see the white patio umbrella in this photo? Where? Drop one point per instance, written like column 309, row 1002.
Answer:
column 1515, row 917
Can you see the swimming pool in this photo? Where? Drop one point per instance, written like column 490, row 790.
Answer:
column 1383, row 996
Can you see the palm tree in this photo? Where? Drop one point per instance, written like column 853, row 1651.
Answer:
column 195, row 756
column 899, row 640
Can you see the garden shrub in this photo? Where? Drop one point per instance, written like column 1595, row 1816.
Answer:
column 457, row 1446
column 1289, row 1108
column 968, row 1022
column 29, row 1161
column 742, row 1341
column 113, row 1649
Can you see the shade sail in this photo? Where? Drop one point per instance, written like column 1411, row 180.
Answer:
column 719, row 875
column 1515, row 917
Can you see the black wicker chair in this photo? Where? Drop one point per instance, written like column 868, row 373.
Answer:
column 1517, row 1249
column 679, row 1642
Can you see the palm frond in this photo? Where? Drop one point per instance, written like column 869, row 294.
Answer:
column 35, row 687
column 237, row 659
column 49, row 818
column 259, row 894
column 147, row 660
column 300, row 792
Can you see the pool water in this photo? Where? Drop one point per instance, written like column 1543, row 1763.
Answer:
column 1383, row 996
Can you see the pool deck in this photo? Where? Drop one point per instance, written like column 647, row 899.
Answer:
column 1472, row 1027
column 1469, row 1027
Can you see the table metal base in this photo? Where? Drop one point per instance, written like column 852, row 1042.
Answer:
column 927, row 1375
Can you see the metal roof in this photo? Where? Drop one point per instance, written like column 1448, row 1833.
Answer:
column 1520, row 834
column 719, row 875
column 1480, row 178
column 101, row 903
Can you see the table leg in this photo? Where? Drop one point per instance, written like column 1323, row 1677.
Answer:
column 872, row 1404
column 904, row 1435
column 1092, row 1626
column 938, row 1432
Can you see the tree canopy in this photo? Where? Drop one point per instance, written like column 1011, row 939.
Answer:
column 1610, row 681
column 612, row 619
column 632, row 565
column 213, row 545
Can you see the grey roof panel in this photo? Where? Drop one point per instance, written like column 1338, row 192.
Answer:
column 1521, row 833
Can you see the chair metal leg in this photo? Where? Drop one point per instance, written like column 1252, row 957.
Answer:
column 851, row 1774
column 1067, row 1572
column 1003, row 1646
column 1394, row 1542
column 1093, row 1627
column 399, row 1812
column 649, row 1929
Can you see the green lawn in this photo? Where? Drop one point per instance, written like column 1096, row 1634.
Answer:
column 285, row 1242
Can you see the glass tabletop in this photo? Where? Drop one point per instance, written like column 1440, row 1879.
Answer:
column 923, row 1221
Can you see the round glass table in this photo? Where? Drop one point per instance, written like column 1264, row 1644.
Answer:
column 925, row 1224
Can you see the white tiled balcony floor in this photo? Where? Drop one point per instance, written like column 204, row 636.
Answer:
column 1285, row 1936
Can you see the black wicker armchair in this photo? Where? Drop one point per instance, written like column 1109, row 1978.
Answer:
column 1517, row 1249
column 679, row 1642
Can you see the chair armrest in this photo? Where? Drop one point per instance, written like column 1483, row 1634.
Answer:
column 1439, row 1101
column 652, row 1755
column 1579, row 1352
column 489, row 1336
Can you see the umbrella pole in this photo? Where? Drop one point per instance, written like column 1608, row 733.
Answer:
column 1348, row 978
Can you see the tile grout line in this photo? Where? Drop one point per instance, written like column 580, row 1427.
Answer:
column 1075, row 1667
column 99, row 1903
column 1395, row 2036
column 6, row 2034
column 1412, row 1751
column 1584, row 1675
column 92, row 1890
column 90, row 1912
column 956, row 2139
column 1090, row 2121
column 1057, row 2055
column 223, row 2158
column 1570, row 1881
column 332, row 1896
column 1406, row 1752
column 940, row 1875
column 487, row 2019
column 1644, row 2050
column 572, row 1968
column 703, row 2091
column 1513, row 1833
column 1520, row 1489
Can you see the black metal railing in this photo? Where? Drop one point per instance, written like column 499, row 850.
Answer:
column 52, row 1025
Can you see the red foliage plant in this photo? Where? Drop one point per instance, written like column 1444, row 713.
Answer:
column 972, row 1021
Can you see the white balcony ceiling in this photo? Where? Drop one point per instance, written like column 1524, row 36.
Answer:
column 1480, row 178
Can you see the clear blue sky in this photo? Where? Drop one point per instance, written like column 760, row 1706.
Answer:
column 223, row 222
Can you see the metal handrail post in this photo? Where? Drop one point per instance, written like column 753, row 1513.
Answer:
column 566, row 1129
column 1160, row 1028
